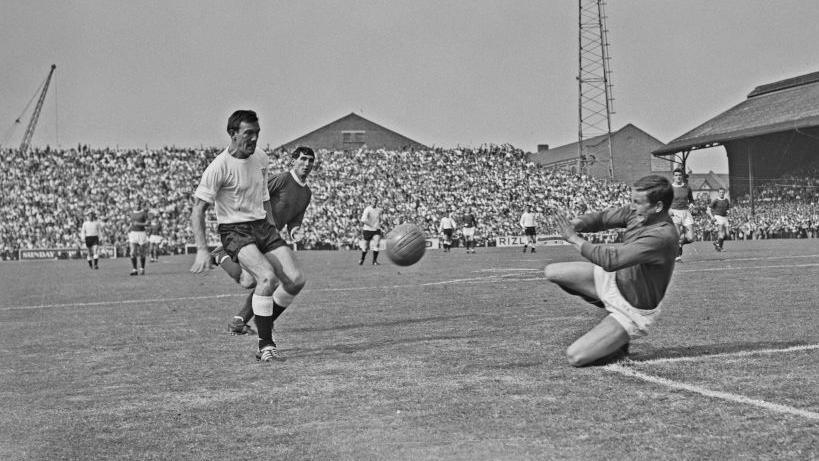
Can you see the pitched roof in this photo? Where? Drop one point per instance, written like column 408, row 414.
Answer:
column 569, row 151
column 774, row 107
column 352, row 117
column 710, row 180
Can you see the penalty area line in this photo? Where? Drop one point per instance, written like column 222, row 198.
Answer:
column 745, row 353
column 736, row 398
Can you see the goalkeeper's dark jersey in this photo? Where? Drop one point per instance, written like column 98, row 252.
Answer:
column 288, row 199
column 644, row 261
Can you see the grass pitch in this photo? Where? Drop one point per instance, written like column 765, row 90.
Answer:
column 460, row 356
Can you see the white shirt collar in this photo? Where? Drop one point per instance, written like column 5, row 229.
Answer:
column 296, row 178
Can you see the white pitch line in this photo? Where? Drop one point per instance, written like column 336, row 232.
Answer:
column 746, row 353
column 122, row 301
column 734, row 268
column 509, row 269
column 711, row 393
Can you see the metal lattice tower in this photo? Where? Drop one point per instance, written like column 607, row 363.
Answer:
column 595, row 103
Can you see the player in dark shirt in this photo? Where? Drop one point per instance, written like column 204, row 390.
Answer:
column 154, row 238
column 718, row 209
column 681, row 209
column 630, row 279
column 469, row 223
column 289, row 197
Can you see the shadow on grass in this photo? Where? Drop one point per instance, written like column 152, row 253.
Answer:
column 381, row 343
column 390, row 323
column 711, row 349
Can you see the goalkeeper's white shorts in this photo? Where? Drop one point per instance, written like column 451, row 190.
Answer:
column 635, row 321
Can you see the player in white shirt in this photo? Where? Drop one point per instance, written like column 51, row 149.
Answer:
column 447, row 228
column 236, row 183
column 371, row 218
column 529, row 225
column 91, row 233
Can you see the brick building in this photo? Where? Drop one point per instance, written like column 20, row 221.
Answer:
column 631, row 149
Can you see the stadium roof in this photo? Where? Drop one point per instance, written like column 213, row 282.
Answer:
column 775, row 107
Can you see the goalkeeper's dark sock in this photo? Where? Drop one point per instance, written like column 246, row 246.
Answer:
column 142, row 262
column 90, row 264
column 375, row 256
column 277, row 311
column 263, row 310
column 247, row 309
column 281, row 299
column 133, row 262
column 264, row 326
column 363, row 255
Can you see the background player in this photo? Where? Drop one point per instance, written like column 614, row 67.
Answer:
column 91, row 233
column 630, row 279
column 154, row 237
column 138, row 238
column 718, row 209
column 681, row 210
column 289, row 197
column 236, row 183
column 446, row 229
column 469, row 224
column 371, row 219
column 527, row 222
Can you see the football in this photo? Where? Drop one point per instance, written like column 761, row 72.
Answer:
column 406, row 244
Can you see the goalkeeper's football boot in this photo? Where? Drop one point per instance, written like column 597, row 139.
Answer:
column 269, row 353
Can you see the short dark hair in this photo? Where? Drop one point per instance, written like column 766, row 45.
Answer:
column 678, row 170
column 236, row 119
column 657, row 188
column 302, row 150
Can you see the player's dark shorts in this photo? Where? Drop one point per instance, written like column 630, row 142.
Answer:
column 448, row 233
column 91, row 241
column 530, row 231
column 260, row 233
column 368, row 235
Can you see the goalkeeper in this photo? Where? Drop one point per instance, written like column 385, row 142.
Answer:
column 289, row 197
column 628, row 280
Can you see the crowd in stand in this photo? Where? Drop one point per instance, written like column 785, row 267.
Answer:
column 48, row 192
column 786, row 207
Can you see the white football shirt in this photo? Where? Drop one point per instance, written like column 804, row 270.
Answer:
column 237, row 187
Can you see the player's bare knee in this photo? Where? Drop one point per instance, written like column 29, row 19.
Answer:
column 575, row 357
column 266, row 281
column 246, row 280
column 295, row 285
column 552, row 273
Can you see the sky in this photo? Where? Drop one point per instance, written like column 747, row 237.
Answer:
column 443, row 73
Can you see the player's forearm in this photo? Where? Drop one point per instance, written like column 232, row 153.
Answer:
column 198, row 225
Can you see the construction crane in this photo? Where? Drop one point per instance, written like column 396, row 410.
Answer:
column 32, row 124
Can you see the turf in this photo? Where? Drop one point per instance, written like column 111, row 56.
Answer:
column 460, row 356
